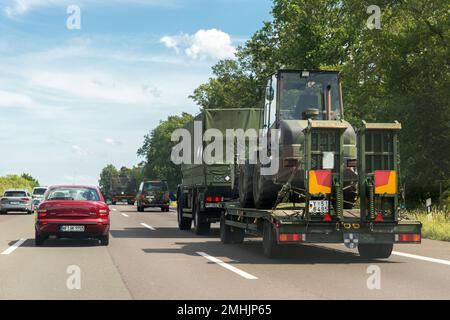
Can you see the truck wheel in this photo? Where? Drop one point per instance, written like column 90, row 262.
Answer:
column 375, row 251
column 200, row 227
column 229, row 234
column 226, row 235
column 265, row 192
column 246, row 186
column 271, row 248
column 183, row 223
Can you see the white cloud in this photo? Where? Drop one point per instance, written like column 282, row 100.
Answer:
column 16, row 100
column 112, row 142
column 211, row 43
column 21, row 7
column 79, row 151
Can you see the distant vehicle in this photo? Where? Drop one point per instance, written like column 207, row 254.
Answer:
column 122, row 190
column 38, row 196
column 153, row 194
column 73, row 212
column 16, row 200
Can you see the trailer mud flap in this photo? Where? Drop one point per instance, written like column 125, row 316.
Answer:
column 351, row 240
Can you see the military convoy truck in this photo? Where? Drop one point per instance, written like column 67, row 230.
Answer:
column 121, row 190
column 324, row 167
column 205, row 187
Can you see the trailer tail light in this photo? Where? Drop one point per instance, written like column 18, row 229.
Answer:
column 210, row 199
column 327, row 217
column 291, row 237
column 379, row 218
column 408, row 237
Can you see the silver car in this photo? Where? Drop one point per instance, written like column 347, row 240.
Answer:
column 38, row 196
column 16, row 200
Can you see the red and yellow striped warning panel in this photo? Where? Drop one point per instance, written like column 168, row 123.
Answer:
column 320, row 181
column 385, row 182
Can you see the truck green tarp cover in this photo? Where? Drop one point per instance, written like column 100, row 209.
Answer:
column 220, row 119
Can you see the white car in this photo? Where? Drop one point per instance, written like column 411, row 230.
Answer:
column 38, row 196
column 16, row 200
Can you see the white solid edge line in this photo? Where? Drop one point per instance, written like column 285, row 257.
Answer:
column 147, row 226
column 227, row 266
column 413, row 256
column 14, row 247
column 125, row 215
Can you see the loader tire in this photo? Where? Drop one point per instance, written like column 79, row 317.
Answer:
column 265, row 192
column 246, row 186
column 375, row 251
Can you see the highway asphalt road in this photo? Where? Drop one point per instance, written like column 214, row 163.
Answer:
column 149, row 258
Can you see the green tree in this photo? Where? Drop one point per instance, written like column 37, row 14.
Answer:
column 15, row 182
column 399, row 72
column 157, row 150
column 28, row 177
column 108, row 173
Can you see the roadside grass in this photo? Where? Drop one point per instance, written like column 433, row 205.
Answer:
column 436, row 226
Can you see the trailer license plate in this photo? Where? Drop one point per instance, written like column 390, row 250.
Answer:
column 72, row 228
column 318, row 206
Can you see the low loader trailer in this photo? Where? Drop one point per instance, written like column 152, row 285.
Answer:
column 320, row 217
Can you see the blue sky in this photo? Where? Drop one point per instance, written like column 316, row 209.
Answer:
column 72, row 101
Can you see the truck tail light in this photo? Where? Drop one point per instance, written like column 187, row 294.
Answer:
column 327, row 217
column 292, row 237
column 379, row 218
column 210, row 199
column 142, row 196
column 408, row 237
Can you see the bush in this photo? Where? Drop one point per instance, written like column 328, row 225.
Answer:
column 15, row 182
column 435, row 226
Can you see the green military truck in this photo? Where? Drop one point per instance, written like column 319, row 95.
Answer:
column 205, row 186
column 311, row 198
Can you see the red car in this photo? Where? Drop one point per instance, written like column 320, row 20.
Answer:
column 73, row 212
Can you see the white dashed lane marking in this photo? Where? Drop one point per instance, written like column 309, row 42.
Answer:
column 228, row 266
column 12, row 248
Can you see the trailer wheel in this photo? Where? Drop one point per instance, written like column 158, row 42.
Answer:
column 226, row 235
column 375, row 251
column 271, row 248
column 183, row 223
column 246, row 185
column 265, row 192
column 200, row 227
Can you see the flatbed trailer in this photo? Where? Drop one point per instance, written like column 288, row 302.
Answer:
column 320, row 217
column 283, row 227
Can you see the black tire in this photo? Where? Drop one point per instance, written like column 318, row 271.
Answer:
column 183, row 223
column 167, row 209
column 38, row 240
column 226, row 235
column 265, row 192
column 200, row 227
column 271, row 248
column 29, row 212
column 104, row 240
column 246, row 186
column 375, row 251
column 163, row 209
column 3, row 212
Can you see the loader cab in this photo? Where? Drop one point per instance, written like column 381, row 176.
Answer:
column 302, row 95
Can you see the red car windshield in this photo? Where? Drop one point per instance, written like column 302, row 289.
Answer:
column 73, row 194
